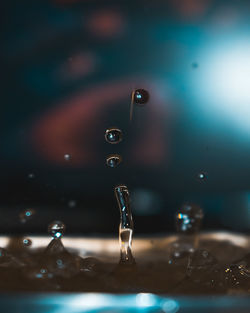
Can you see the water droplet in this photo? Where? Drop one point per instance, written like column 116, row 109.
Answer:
column 26, row 215
column 27, row 242
column 67, row 157
column 126, row 224
column 189, row 218
column 238, row 274
column 113, row 135
column 195, row 65
column 113, row 160
column 140, row 96
column 56, row 229
column 202, row 177
column 72, row 203
column 31, row 176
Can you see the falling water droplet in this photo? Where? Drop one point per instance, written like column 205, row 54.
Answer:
column 72, row 203
column 202, row 177
column 67, row 157
column 113, row 160
column 56, row 229
column 195, row 65
column 126, row 224
column 26, row 215
column 113, row 135
column 140, row 96
column 189, row 218
column 27, row 242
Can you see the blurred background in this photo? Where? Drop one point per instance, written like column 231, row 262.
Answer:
column 68, row 70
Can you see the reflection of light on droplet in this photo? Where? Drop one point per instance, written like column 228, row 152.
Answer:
column 170, row 306
column 145, row 300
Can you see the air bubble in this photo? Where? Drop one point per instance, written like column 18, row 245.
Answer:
column 113, row 160
column 113, row 135
column 56, row 229
column 140, row 96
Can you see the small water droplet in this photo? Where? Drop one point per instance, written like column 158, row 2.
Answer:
column 189, row 218
column 195, row 65
column 113, row 135
column 67, row 157
column 140, row 96
column 27, row 242
column 72, row 203
column 202, row 176
column 26, row 215
column 113, row 160
column 31, row 176
column 56, row 229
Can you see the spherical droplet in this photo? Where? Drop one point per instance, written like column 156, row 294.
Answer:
column 113, row 160
column 27, row 242
column 67, row 157
column 195, row 65
column 72, row 203
column 31, row 176
column 56, row 229
column 202, row 177
column 189, row 218
column 26, row 215
column 113, row 135
column 140, row 96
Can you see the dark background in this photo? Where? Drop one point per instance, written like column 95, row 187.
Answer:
column 68, row 68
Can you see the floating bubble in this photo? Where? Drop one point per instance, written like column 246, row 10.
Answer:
column 113, row 135
column 140, row 96
column 56, row 229
column 189, row 218
column 113, row 160
column 67, row 157
column 26, row 215
column 27, row 242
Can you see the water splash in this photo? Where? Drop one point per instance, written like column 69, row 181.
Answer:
column 126, row 224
